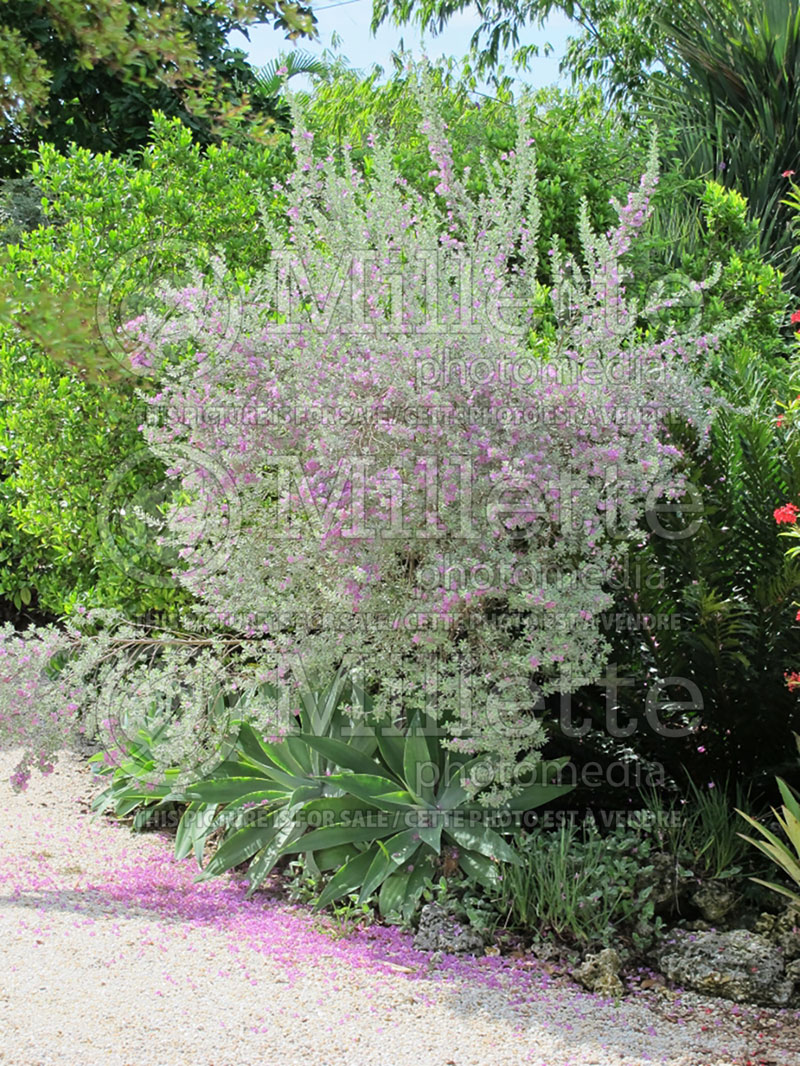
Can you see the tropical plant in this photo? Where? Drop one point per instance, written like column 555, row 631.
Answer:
column 733, row 103
column 375, row 804
column 266, row 84
column 133, row 790
column 784, row 855
column 418, row 786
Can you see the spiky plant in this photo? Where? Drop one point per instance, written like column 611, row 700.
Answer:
column 719, row 602
column 785, row 856
column 733, row 100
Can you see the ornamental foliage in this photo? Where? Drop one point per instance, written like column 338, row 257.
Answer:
column 401, row 456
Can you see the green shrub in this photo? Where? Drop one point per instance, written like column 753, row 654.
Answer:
column 583, row 151
column 69, row 413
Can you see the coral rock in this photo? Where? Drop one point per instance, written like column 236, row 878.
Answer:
column 600, row 974
column 440, row 931
column 737, row 965
column 715, row 900
column 782, row 929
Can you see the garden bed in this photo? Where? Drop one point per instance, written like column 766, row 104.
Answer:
column 112, row 954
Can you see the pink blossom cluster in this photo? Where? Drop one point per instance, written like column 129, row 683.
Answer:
column 38, row 714
column 352, row 467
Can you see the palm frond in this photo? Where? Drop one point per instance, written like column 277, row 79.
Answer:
column 269, row 78
column 734, row 98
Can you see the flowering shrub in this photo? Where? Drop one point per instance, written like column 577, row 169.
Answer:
column 426, row 478
column 102, row 679
column 39, row 727
column 430, row 462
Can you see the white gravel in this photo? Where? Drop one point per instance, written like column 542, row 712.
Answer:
column 90, row 974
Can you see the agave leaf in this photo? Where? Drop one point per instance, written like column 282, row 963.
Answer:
column 341, row 754
column 478, row 868
column 417, row 764
column 391, row 745
column 432, row 835
column 348, row 879
column 537, row 796
column 334, row 858
column 268, row 756
column 265, row 861
column 395, row 851
column 227, row 789
column 332, row 836
column 337, row 808
column 483, row 840
column 374, row 788
column 244, row 767
column 452, row 793
column 239, row 847
column 393, row 893
column 194, row 824
column 300, row 754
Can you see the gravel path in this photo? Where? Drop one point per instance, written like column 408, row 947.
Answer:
column 111, row 956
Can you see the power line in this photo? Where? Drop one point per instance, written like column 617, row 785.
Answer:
column 342, row 3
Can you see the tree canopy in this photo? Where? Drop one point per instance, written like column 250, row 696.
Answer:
column 93, row 73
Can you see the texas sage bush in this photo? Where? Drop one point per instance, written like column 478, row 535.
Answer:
column 411, row 462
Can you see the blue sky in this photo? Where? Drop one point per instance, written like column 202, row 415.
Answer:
column 350, row 21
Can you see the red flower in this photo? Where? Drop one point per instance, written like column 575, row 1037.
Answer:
column 797, row 617
column 795, row 317
column 788, row 514
column 787, row 174
column 779, row 421
column 792, row 680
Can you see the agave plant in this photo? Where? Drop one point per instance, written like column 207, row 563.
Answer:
column 140, row 782
column 132, row 790
column 378, row 805
column 422, row 805
column 254, row 797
